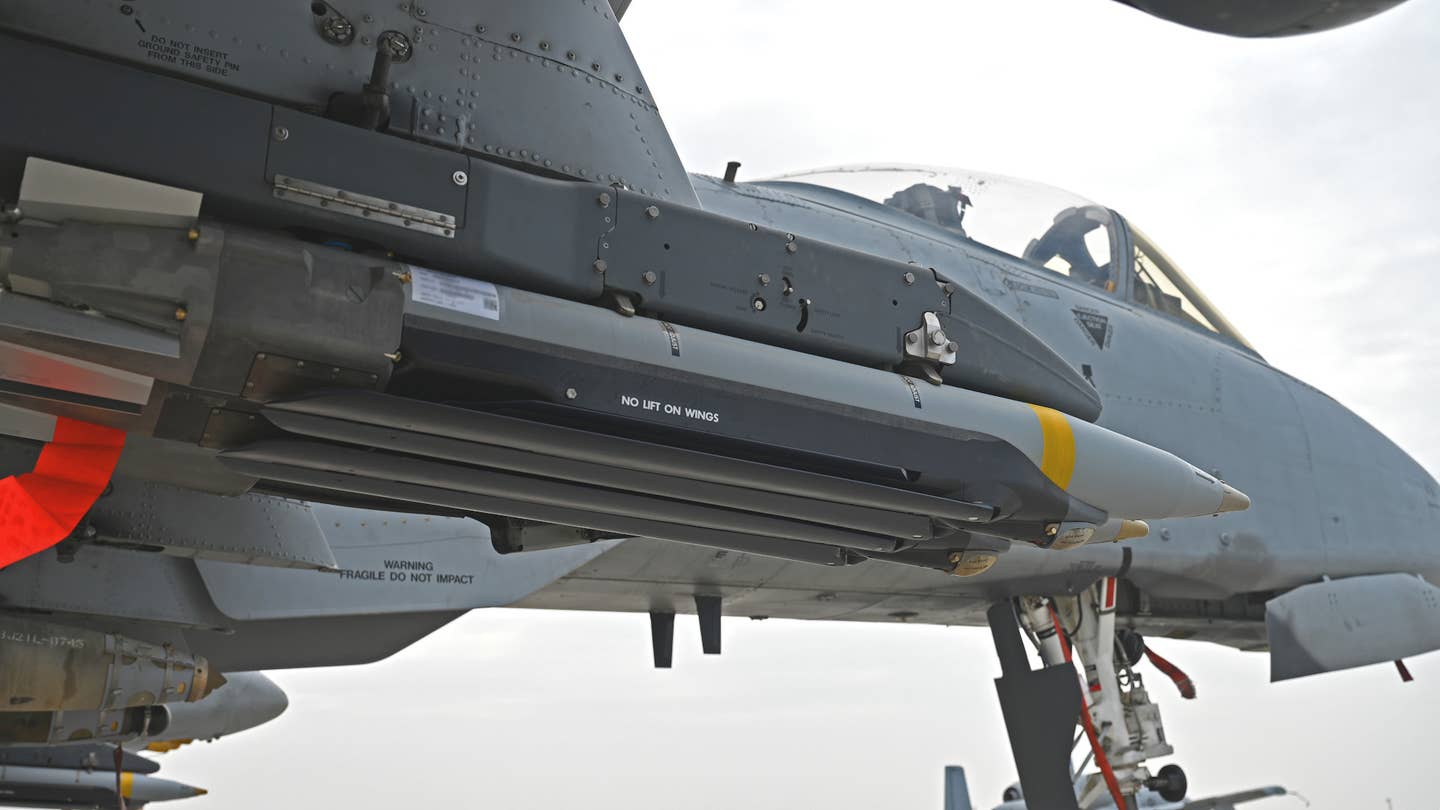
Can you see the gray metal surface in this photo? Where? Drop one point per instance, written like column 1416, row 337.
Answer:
column 113, row 582
column 943, row 434
column 907, row 527
column 1351, row 622
column 391, row 563
column 1273, row 18
column 609, row 451
column 75, row 756
column 541, row 492
column 957, row 789
column 468, row 81
column 250, row 529
column 676, row 261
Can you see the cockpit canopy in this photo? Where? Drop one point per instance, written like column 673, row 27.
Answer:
column 1050, row 229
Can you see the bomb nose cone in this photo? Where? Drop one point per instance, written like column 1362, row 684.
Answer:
column 1130, row 529
column 1232, row 499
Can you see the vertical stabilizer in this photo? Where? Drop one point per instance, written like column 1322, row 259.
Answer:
column 957, row 790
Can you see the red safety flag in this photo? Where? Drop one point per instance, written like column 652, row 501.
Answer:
column 40, row 508
column 1182, row 681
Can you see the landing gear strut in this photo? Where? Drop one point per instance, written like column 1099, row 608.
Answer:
column 1123, row 727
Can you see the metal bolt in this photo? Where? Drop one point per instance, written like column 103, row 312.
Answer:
column 595, row 66
column 952, row 347
column 938, row 338
column 514, row 37
column 791, row 247
column 604, row 199
column 909, row 279
column 600, row 266
column 181, row 314
column 397, row 44
column 1051, row 529
column 193, row 234
column 912, row 338
column 758, row 304
column 460, row 178
column 652, row 212
column 571, row 393
column 282, row 133
column 339, row 31
column 648, row 277
column 764, row 279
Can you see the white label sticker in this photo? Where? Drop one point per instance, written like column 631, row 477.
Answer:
column 468, row 295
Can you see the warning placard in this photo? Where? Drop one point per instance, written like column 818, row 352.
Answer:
column 468, row 295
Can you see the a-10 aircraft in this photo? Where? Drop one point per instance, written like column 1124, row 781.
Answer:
column 368, row 314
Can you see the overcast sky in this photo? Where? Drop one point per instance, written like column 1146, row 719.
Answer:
column 1297, row 182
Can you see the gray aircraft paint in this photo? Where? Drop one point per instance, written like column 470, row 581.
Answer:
column 1332, row 495
column 393, row 563
column 1308, row 458
column 258, row 617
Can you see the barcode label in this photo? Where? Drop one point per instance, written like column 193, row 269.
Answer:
column 457, row 293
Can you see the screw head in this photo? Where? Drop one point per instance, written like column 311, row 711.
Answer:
column 460, row 178
column 603, row 200
column 600, row 265
column 938, row 338
column 791, row 247
column 909, row 279
column 652, row 212
column 282, row 133
column 952, row 347
column 764, row 279
column 648, row 277
column 758, row 304
column 912, row 338
column 571, row 393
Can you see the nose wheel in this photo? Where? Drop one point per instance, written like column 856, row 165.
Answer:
column 1122, row 725
column 1170, row 783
